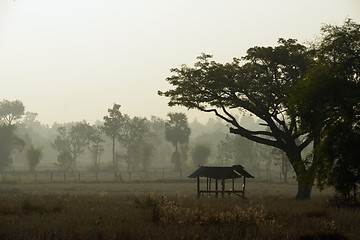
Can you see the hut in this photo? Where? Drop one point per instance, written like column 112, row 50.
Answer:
column 221, row 174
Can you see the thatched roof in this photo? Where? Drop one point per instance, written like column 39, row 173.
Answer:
column 236, row 171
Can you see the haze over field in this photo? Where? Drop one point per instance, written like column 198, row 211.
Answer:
column 71, row 60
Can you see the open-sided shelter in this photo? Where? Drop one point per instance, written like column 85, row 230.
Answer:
column 221, row 174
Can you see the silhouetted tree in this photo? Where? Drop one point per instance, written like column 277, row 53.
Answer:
column 8, row 142
column 259, row 85
column 75, row 140
column 325, row 103
column 65, row 160
column 11, row 111
column 112, row 128
column 177, row 131
column 134, row 131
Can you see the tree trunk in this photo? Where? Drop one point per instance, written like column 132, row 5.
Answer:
column 114, row 160
column 305, row 176
column 74, row 159
column 304, row 189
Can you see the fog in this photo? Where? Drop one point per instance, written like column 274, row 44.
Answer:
column 70, row 61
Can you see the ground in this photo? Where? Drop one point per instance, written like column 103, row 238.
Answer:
column 169, row 210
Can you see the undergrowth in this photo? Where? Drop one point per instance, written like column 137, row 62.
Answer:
column 154, row 216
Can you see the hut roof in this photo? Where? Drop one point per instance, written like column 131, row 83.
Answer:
column 236, row 171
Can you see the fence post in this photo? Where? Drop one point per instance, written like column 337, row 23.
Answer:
column 35, row 177
column 64, row 177
column 50, row 176
column 19, row 176
column 79, row 177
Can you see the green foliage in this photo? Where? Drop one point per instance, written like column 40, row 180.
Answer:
column 340, row 165
column 325, row 104
column 8, row 142
column 256, row 84
column 11, row 111
column 33, row 157
column 65, row 160
column 200, row 154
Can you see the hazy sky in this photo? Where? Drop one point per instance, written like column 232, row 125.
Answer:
column 70, row 60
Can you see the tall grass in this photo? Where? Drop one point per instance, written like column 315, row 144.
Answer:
column 105, row 215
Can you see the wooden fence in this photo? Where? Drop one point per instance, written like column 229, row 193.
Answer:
column 86, row 176
column 55, row 176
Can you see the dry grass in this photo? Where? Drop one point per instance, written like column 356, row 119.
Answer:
column 168, row 211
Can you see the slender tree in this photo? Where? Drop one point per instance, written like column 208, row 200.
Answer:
column 112, row 128
column 177, row 131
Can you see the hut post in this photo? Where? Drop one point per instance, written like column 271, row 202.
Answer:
column 222, row 187
column 233, row 185
column 243, row 191
column 198, row 187
column 210, row 187
column 207, row 184
column 216, row 188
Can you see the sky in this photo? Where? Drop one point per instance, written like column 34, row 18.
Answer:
column 71, row 60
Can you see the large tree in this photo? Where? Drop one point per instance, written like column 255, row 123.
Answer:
column 257, row 84
column 11, row 111
column 177, row 131
column 326, row 104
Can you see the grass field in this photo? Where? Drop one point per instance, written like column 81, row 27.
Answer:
column 171, row 210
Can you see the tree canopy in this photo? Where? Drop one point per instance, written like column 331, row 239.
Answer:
column 256, row 84
column 112, row 128
column 326, row 104
column 11, row 111
column 298, row 92
column 74, row 140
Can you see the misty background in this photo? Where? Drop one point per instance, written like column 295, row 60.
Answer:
column 70, row 60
